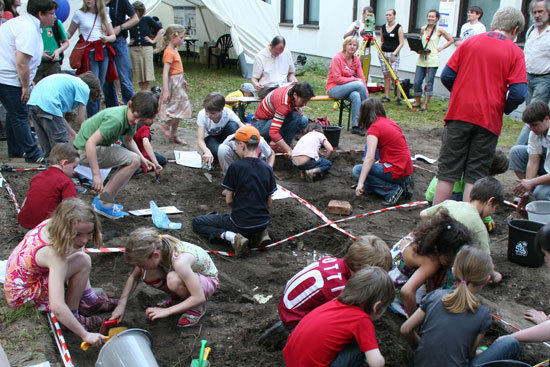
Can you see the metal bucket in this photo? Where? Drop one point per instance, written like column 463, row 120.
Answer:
column 128, row 349
column 539, row 211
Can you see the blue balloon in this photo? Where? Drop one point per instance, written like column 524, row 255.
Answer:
column 63, row 10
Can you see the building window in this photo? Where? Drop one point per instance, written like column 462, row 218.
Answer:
column 287, row 11
column 267, row 1
column 380, row 7
column 489, row 8
column 311, row 12
column 419, row 13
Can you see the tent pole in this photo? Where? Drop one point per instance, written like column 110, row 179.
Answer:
column 205, row 26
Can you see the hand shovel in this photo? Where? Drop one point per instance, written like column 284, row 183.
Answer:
column 208, row 176
column 112, row 332
column 200, row 362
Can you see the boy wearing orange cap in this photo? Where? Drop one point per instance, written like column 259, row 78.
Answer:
column 249, row 183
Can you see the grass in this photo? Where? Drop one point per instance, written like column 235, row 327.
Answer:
column 203, row 81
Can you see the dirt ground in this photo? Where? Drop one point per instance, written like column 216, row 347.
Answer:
column 234, row 319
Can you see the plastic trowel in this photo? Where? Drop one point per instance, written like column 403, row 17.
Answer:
column 201, row 362
column 112, row 332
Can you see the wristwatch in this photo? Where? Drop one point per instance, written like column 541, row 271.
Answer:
column 122, row 27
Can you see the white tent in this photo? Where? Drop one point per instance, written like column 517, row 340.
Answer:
column 251, row 23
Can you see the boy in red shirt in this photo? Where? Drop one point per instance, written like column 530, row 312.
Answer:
column 47, row 189
column 142, row 138
column 340, row 333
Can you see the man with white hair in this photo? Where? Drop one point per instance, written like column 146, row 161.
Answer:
column 486, row 76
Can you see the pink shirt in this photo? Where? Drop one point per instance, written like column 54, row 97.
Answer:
column 341, row 72
column 309, row 145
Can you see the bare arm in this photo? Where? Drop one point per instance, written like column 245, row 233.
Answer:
column 448, row 37
column 426, row 270
column 207, row 156
column 409, row 327
column 150, row 152
column 72, row 29
column 537, row 333
column 91, row 154
column 127, row 25
column 129, row 287
column 401, row 35
column 64, row 45
column 477, row 343
column 256, row 83
column 374, row 358
column 23, row 72
column 328, row 147
column 271, row 158
column 109, row 35
column 291, row 78
column 229, row 197
column 132, row 146
column 165, row 82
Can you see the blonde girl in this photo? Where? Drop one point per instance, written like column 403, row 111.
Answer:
column 182, row 270
column 424, row 256
column 50, row 257
column 453, row 322
column 174, row 102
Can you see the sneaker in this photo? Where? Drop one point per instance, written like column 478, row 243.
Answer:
column 409, row 188
column 393, row 198
column 275, row 336
column 113, row 212
column 39, row 158
column 260, row 239
column 192, row 316
column 103, row 304
column 310, row 175
column 384, row 99
column 357, row 131
column 240, row 245
column 92, row 323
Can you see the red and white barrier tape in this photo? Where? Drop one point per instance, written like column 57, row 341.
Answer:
column 11, row 169
column 317, row 212
column 514, row 327
column 60, row 341
column 104, row 250
column 4, row 182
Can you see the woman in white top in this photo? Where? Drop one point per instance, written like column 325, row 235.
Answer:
column 94, row 25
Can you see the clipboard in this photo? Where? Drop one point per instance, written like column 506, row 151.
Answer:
column 415, row 42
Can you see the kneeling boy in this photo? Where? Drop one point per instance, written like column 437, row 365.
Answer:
column 249, row 183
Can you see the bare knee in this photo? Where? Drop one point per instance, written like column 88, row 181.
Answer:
column 176, row 284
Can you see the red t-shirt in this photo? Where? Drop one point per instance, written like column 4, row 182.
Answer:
column 315, row 285
column 486, row 65
column 393, row 147
column 276, row 105
column 47, row 189
column 325, row 331
column 142, row 132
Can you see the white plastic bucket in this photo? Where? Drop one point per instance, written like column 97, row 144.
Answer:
column 129, row 348
column 538, row 211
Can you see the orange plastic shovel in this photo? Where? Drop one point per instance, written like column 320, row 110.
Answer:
column 112, row 332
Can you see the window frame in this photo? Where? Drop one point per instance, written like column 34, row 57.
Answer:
column 284, row 20
column 307, row 21
column 412, row 17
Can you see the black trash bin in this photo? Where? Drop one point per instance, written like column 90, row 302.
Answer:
column 333, row 134
column 521, row 243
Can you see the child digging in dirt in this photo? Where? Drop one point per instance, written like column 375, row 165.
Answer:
column 249, row 183
column 322, row 281
column 49, row 258
column 340, row 333
column 424, row 255
column 183, row 270
column 142, row 138
column 305, row 155
column 454, row 315
column 174, row 102
column 47, row 189
column 485, row 196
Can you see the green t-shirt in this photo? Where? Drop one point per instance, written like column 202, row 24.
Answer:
column 112, row 123
column 468, row 215
column 50, row 44
column 458, row 188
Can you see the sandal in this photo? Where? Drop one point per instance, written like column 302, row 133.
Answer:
column 192, row 316
column 177, row 140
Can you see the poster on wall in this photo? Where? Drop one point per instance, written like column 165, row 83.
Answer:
column 186, row 16
column 447, row 15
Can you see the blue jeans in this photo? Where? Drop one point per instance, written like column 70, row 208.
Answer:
column 322, row 164
column 378, row 181
column 213, row 141
column 419, row 76
column 293, row 123
column 350, row 356
column 99, row 68
column 18, row 131
column 538, row 87
column 124, row 71
column 213, row 225
column 519, row 157
column 505, row 348
column 354, row 92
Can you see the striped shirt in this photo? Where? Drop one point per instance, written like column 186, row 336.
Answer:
column 276, row 105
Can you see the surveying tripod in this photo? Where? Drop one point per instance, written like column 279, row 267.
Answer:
column 366, row 45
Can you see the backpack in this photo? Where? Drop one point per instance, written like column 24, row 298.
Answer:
column 57, row 37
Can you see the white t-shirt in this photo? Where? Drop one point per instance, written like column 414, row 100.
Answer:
column 273, row 71
column 213, row 128
column 309, row 145
column 535, row 145
column 21, row 34
column 84, row 21
column 537, row 51
column 468, row 30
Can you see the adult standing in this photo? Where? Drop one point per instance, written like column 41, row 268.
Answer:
column 94, row 26
column 273, row 67
column 279, row 116
column 486, row 77
column 20, row 55
column 473, row 26
column 537, row 59
column 118, row 11
column 141, row 46
column 345, row 79
column 392, row 39
column 428, row 61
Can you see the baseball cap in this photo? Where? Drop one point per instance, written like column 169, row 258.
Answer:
column 247, row 134
column 248, row 87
